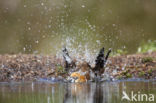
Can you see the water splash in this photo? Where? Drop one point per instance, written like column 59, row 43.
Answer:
column 82, row 43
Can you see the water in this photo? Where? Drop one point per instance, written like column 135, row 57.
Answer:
column 84, row 26
column 39, row 92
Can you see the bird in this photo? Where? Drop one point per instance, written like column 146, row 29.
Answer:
column 83, row 71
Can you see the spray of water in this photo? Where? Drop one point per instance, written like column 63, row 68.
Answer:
column 82, row 43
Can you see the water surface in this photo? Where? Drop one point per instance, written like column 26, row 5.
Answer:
column 107, row 92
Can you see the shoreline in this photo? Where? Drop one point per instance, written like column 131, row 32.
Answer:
column 29, row 67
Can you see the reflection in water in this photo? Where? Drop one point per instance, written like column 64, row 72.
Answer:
column 98, row 95
column 108, row 92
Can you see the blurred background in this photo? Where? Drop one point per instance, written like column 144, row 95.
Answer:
column 45, row 26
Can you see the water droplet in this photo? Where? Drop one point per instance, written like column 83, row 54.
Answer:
column 42, row 4
column 49, row 26
column 65, row 6
column 25, row 6
column 43, row 36
column 24, row 49
column 35, row 52
column 29, row 28
column 28, row 22
column 124, row 46
column 2, row 66
column 98, row 41
column 36, row 41
column 83, row 6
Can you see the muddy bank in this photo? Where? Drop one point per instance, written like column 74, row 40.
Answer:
column 133, row 66
column 24, row 67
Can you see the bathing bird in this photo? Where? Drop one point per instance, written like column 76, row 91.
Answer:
column 83, row 71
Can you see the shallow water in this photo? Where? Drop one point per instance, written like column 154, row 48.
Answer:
column 42, row 92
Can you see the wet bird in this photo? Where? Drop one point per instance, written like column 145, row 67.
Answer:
column 83, row 72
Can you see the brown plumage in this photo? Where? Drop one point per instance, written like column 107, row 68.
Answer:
column 83, row 69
